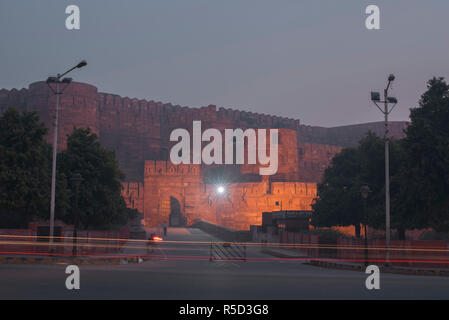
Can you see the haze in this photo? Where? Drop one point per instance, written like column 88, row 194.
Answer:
column 310, row 60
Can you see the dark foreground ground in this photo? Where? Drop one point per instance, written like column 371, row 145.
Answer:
column 183, row 271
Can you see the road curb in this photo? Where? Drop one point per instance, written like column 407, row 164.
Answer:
column 277, row 254
column 70, row 260
column 361, row 268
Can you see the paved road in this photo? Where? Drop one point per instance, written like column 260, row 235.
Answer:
column 182, row 271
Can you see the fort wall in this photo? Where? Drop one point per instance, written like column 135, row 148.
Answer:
column 133, row 193
column 139, row 130
column 349, row 136
column 238, row 207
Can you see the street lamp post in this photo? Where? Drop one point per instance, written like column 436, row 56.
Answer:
column 76, row 180
column 375, row 98
column 364, row 192
column 57, row 81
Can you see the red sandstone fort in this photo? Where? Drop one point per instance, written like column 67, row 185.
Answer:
column 139, row 131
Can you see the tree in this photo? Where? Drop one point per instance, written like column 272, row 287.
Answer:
column 372, row 158
column 25, row 164
column 425, row 178
column 339, row 202
column 419, row 170
column 100, row 202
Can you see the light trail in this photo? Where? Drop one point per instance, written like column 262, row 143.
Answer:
column 249, row 244
column 207, row 258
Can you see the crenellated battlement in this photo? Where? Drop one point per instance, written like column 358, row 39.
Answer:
column 142, row 108
column 166, row 168
column 294, row 188
column 139, row 129
column 110, row 105
column 13, row 98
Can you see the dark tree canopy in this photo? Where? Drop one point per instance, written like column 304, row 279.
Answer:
column 339, row 201
column 419, row 173
column 25, row 166
column 100, row 202
column 426, row 180
column 25, row 176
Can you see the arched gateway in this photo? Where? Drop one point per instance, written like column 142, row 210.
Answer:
column 176, row 218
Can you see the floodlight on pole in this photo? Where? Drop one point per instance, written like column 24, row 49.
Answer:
column 392, row 100
column 375, row 96
column 81, row 64
column 57, row 92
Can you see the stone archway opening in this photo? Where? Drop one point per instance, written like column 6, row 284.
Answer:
column 176, row 218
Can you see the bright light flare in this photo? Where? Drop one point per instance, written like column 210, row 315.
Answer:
column 221, row 189
column 156, row 238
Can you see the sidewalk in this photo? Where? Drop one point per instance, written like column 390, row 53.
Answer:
column 390, row 269
column 284, row 253
column 33, row 259
column 131, row 252
column 345, row 265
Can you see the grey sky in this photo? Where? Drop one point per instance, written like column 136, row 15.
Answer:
column 312, row 60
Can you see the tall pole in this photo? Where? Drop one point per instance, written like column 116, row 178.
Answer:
column 375, row 98
column 365, row 191
column 387, row 177
column 366, row 231
column 75, row 227
column 53, row 169
column 57, row 92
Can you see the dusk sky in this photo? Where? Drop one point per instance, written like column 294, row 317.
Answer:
column 310, row 60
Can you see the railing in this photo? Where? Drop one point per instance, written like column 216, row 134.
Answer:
column 90, row 242
column 401, row 253
column 230, row 251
